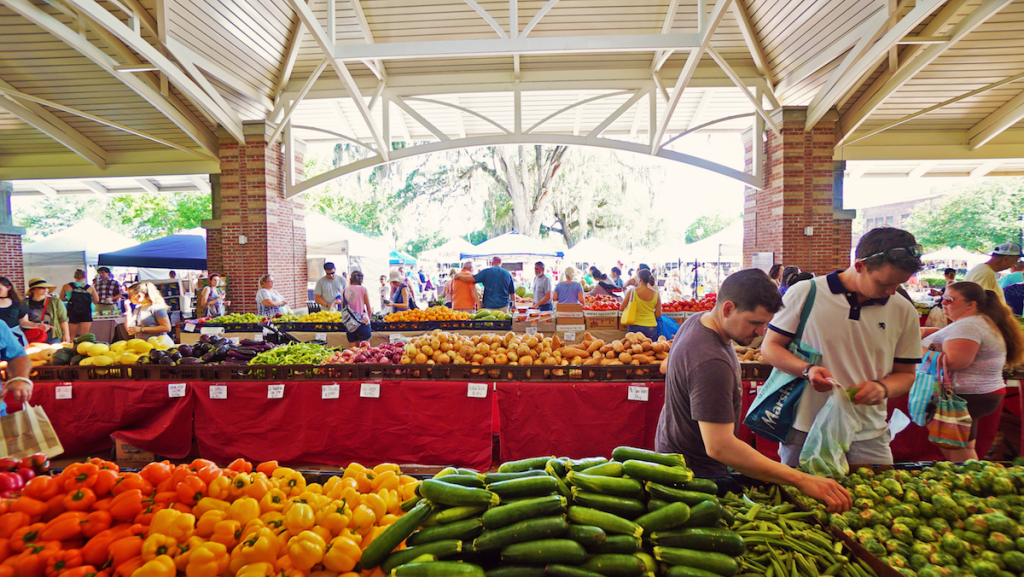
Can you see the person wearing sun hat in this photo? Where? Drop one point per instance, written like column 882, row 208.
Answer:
column 48, row 312
column 1003, row 257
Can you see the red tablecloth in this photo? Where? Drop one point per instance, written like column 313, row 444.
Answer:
column 424, row 422
column 574, row 419
column 912, row 444
column 140, row 413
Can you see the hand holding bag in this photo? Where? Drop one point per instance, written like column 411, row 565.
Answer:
column 925, row 387
column 27, row 432
column 828, row 441
column 951, row 426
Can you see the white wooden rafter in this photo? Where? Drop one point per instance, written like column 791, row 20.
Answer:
column 461, row 109
column 96, row 188
column 229, row 79
column 41, row 119
column 752, row 42
column 375, row 66
column 302, row 94
column 45, row 189
column 580, row 102
column 996, row 123
column 486, row 16
column 537, row 17
column 985, row 168
column 754, row 100
column 291, row 57
column 147, row 185
column 666, row 26
column 202, row 184
column 420, row 119
column 705, row 101
column 596, row 132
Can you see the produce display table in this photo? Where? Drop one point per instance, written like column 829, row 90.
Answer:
column 336, row 339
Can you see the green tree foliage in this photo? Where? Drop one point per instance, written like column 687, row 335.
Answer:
column 707, row 225
column 976, row 218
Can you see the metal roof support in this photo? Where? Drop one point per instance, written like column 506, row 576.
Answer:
column 994, row 124
column 490, row 20
column 45, row 121
column 870, row 100
column 754, row 100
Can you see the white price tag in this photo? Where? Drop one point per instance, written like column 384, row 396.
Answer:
column 570, row 337
column 638, row 393
column 176, row 390
column 369, row 390
column 62, row 392
column 218, row 391
column 320, row 337
column 398, row 338
column 189, row 328
column 258, row 338
column 234, row 340
column 531, row 330
column 330, row 391
column 212, row 330
column 267, row 331
column 477, row 390
column 275, row 391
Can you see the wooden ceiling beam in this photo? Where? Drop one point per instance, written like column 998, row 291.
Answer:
column 753, row 44
column 75, row 142
column 90, row 151
column 996, row 123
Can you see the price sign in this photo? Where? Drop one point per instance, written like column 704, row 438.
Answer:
column 175, row 390
column 397, row 338
column 477, row 390
column 62, row 392
column 638, row 393
column 570, row 337
column 320, row 337
column 235, row 340
column 330, row 391
column 369, row 390
column 189, row 328
column 258, row 338
column 218, row 391
column 275, row 391
column 531, row 330
column 212, row 330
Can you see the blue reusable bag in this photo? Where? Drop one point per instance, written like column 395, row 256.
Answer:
column 667, row 327
column 773, row 411
column 925, row 389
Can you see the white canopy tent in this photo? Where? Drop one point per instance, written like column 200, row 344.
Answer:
column 956, row 254
column 330, row 241
column 57, row 256
column 594, row 250
column 725, row 245
column 448, row 252
column 512, row 246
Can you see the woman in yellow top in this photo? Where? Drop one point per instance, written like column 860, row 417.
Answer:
column 648, row 305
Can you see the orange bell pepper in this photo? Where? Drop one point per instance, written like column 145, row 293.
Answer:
column 131, row 481
column 124, row 549
column 25, row 536
column 32, row 561
column 62, row 561
column 267, row 467
column 145, row 516
column 81, row 571
column 126, row 505
column 96, row 550
column 259, row 485
column 104, row 465
column 129, row 567
column 95, row 523
column 191, row 490
column 5, row 549
column 227, row 532
column 80, row 475
column 80, row 500
column 157, row 473
column 241, row 465
column 42, row 488
column 31, row 507
column 208, row 474
column 66, row 526
column 11, row 522
column 54, row 507
column 209, row 560
column 105, row 481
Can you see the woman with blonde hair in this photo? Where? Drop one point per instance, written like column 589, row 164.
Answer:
column 568, row 291
column 150, row 316
column 269, row 302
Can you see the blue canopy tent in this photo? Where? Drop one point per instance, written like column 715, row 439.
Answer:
column 185, row 250
column 402, row 258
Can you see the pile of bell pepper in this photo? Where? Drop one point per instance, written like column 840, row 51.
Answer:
column 14, row 473
column 200, row 520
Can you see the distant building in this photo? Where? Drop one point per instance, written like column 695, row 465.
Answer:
column 894, row 215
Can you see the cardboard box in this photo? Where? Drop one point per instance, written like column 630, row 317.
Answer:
column 127, row 452
column 521, row 326
column 603, row 323
column 575, row 328
column 569, row 311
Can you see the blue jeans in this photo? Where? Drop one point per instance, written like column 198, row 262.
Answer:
column 649, row 332
column 545, row 307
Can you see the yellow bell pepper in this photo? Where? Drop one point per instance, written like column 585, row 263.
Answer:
column 274, row 500
column 162, row 566
column 376, row 503
column 299, row 518
column 239, row 485
column 208, row 560
column 259, row 484
column 245, row 509
column 362, row 520
column 219, row 488
column 227, row 533
column 290, row 481
column 173, row 523
column 285, row 568
column 352, row 497
column 331, row 485
column 324, row 533
column 323, row 574
column 334, row 517
column 387, row 520
column 209, row 504
column 157, row 545
column 353, row 469
column 262, row 547
column 315, row 488
column 306, row 550
column 208, row 522
column 375, row 532
column 252, row 527
column 342, row 554
column 256, row 570
column 273, row 519
column 390, row 497
column 185, row 551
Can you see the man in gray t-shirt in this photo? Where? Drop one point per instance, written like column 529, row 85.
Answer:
column 703, row 393
column 328, row 289
column 542, row 288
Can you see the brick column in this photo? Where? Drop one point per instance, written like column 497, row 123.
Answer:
column 250, row 207
column 11, row 264
column 798, row 214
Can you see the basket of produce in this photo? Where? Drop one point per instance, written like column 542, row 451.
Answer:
column 362, row 361
column 235, row 323
column 318, row 327
column 601, row 306
column 450, row 372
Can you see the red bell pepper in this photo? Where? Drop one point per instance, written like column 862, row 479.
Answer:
column 11, row 481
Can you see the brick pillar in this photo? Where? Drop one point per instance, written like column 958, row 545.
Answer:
column 249, row 201
column 11, row 264
column 798, row 214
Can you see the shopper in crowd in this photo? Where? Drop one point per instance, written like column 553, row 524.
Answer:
column 634, row 278
column 357, row 300
column 19, row 367
column 426, row 287
column 150, row 316
column 499, row 288
column 800, row 276
column 982, row 339
column 211, row 299
column 648, row 305
column 950, row 275
column 108, row 290
column 269, row 302
column 703, row 393
column 568, row 291
column 449, row 289
column 786, row 273
column 775, row 273
column 327, row 292
column 1014, row 295
column 1003, row 257
column 13, row 311
column 588, row 278
column 172, row 275
column 616, row 277
column 465, row 297
column 402, row 298
column 48, row 318
column 80, row 297
column 602, row 285
column 385, row 291
column 543, row 289
column 1016, row 275
column 867, row 339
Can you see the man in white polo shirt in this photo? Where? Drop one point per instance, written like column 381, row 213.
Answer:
column 867, row 339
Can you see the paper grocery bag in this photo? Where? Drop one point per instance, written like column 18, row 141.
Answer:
column 27, row 432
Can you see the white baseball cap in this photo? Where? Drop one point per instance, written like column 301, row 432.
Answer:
column 1007, row 249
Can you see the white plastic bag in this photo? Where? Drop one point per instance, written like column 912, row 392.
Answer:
column 936, row 318
column 828, row 441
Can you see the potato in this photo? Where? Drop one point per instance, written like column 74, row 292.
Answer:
column 556, row 343
column 625, row 357
column 597, row 344
column 636, row 349
column 660, row 356
column 618, row 347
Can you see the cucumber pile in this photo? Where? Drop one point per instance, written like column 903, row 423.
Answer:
column 640, row 514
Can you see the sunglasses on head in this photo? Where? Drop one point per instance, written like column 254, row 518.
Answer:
column 897, row 253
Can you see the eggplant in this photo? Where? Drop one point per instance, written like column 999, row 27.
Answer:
column 221, row 352
column 185, row 350
column 175, row 356
column 204, row 338
column 155, row 355
column 250, row 343
column 236, row 354
column 189, row 361
column 208, row 357
column 166, row 361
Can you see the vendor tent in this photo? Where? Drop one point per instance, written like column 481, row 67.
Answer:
column 402, row 258
column 327, row 238
column 514, row 246
column 725, row 245
column 183, row 251
column 595, row 250
column 450, row 251
column 957, row 254
column 57, row 256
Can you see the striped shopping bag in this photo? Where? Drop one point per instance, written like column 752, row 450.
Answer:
column 926, row 388
column 951, row 426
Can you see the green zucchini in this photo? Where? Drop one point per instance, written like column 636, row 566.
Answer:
column 625, row 508
column 615, row 565
column 684, row 571
column 722, row 541
column 657, row 473
column 395, row 533
column 409, row 503
column 438, row 569
column 440, row 549
column 525, row 487
column 652, row 565
column 556, row 467
column 584, row 464
column 607, row 521
column 619, row 544
column 728, row 517
column 505, row 515
column 569, row 571
column 702, row 486
column 587, row 535
column 443, row 493
column 524, row 465
column 498, row 477
column 516, row 571
column 704, row 514
column 544, row 552
column 460, row 530
column 463, row 471
column 665, row 518
column 465, row 480
column 614, row 486
column 453, row 514
column 609, row 469
column 529, row 530
column 562, row 488
column 655, row 504
column 445, row 472
column 632, row 453
column 672, row 494
column 715, row 562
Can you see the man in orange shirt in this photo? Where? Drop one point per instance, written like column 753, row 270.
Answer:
column 464, row 294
